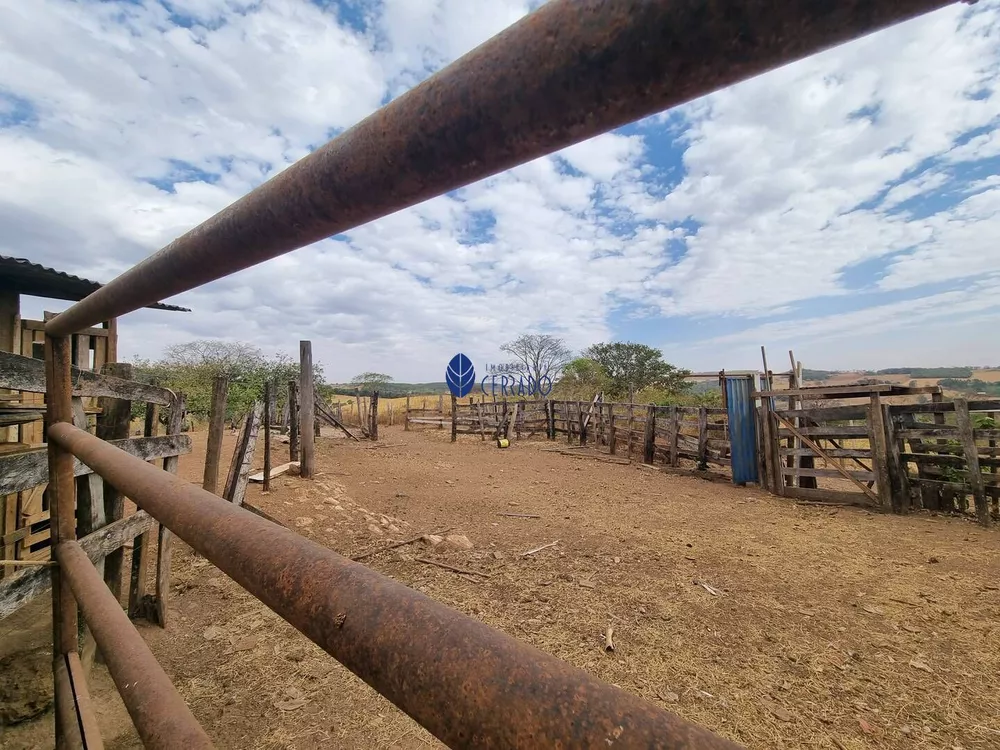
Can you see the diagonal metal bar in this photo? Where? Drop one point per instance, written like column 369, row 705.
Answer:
column 571, row 70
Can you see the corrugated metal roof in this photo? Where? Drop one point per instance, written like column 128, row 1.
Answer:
column 24, row 277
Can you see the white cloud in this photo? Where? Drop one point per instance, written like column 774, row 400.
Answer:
column 791, row 180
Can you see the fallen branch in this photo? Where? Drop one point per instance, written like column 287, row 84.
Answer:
column 609, row 645
column 452, row 567
column 620, row 461
column 539, row 549
column 403, row 543
column 519, row 515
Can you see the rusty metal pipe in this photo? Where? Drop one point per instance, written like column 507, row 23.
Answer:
column 159, row 713
column 567, row 72
column 468, row 684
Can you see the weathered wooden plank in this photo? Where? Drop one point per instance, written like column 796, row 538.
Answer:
column 39, row 325
column 827, row 431
column 827, row 391
column 975, row 476
column 864, row 476
column 878, row 440
column 944, row 432
column 942, row 407
column 22, row 471
column 834, row 497
column 826, row 413
column 17, row 591
column 948, row 459
column 239, row 473
column 27, row 374
column 831, row 452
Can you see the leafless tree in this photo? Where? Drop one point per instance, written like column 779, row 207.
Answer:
column 539, row 355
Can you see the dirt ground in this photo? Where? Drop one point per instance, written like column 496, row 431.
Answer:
column 779, row 625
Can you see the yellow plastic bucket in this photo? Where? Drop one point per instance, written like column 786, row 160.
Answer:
column 503, row 443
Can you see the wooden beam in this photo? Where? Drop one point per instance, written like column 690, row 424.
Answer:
column 975, row 477
column 164, row 547
column 239, row 470
column 22, row 471
column 27, row 374
column 17, row 591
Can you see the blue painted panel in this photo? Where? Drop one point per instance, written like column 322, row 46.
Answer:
column 742, row 429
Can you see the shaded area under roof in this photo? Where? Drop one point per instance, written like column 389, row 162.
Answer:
column 24, row 277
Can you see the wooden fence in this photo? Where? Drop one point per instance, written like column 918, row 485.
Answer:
column 939, row 456
column 102, row 404
column 680, row 437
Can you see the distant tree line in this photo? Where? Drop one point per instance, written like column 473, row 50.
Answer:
column 970, row 386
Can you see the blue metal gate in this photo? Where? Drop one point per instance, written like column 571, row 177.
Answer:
column 742, row 428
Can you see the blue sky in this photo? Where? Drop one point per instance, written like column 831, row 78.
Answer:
column 846, row 206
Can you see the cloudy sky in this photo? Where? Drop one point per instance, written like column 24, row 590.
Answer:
column 846, row 206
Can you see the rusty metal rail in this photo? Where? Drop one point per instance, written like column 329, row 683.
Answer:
column 470, row 685
column 159, row 713
column 567, row 72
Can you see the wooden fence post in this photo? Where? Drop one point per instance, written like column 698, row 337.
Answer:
column 216, row 426
column 441, row 410
column 612, row 430
column 373, row 431
column 897, row 469
column 113, row 424
column 675, row 429
column 266, row 424
column 141, row 545
column 307, row 409
column 702, row 438
column 579, row 422
column 454, row 418
column 880, row 455
column 406, row 417
column 293, row 420
column 649, row 435
column 631, row 427
column 968, row 440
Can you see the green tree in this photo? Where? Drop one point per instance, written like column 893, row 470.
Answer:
column 191, row 367
column 631, row 367
column 581, row 379
column 371, row 381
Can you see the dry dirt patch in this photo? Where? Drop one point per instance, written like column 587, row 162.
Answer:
column 778, row 625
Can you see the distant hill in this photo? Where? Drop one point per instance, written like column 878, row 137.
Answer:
column 396, row 390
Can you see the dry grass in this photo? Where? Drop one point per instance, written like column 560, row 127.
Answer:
column 830, row 627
